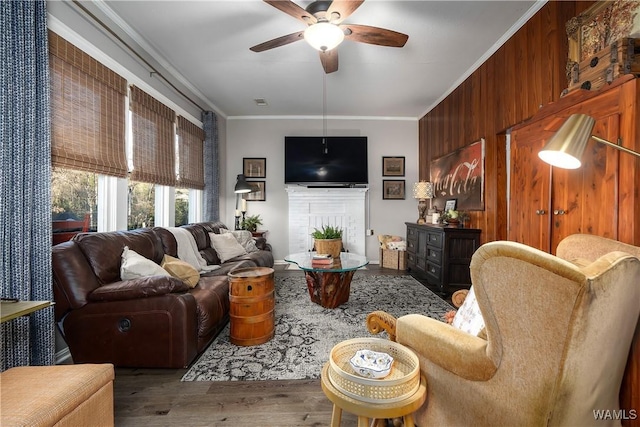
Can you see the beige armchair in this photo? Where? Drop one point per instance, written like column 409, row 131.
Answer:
column 557, row 340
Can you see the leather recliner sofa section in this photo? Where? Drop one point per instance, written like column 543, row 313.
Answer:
column 150, row 322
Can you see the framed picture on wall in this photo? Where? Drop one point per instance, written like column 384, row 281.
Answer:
column 393, row 166
column 254, row 167
column 450, row 205
column 258, row 193
column 393, row 189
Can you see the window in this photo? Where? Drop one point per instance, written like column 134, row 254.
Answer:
column 141, row 205
column 74, row 194
column 182, row 206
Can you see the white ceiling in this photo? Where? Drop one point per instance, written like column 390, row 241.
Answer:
column 207, row 44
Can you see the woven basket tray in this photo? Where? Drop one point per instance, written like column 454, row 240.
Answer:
column 402, row 382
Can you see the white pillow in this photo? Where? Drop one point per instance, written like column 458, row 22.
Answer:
column 468, row 317
column 244, row 237
column 135, row 266
column 226, row 246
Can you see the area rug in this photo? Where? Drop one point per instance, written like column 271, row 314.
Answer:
column 305, row 332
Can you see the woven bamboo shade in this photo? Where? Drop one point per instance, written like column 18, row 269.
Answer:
column 190, row 155
column 153, row 139
column 87, row 112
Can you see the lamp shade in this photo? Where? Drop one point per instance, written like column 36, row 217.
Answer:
column 242, row 186
column 323, row 36
column 565, row 148
column 423, row 190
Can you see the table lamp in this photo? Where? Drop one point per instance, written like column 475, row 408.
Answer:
column 422, row 191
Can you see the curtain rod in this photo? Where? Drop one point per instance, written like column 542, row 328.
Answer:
column 153, row 70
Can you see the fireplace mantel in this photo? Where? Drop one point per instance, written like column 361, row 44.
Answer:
column 311, row 208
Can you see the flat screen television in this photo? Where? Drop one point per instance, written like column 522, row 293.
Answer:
column 325, row 161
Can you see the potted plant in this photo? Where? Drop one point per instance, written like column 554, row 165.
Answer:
column 328, row 240
column 251, row 223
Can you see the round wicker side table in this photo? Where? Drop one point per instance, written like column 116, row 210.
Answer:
column 366, row 410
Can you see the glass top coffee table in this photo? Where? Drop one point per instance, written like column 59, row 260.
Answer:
column 329, row 284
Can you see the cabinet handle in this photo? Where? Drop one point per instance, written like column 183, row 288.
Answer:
column 540, row 212
column 559, row 212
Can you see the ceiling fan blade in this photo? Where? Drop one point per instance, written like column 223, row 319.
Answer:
column 277, row 42
column 329, row 59
column 343, row 8
column 374, row 35
column 290, row 8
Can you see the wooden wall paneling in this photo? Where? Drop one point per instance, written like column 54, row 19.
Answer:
column 501, row 188
column 629, row 195
column 500, row 85
column 536, row 51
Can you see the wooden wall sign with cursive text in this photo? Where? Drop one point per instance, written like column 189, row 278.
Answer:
column 460, row 175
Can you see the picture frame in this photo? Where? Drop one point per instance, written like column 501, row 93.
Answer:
column 254, row 167
column 393, row 166
column 258, row 191
column 450, row 205
column 393, row 189
column 459, row 175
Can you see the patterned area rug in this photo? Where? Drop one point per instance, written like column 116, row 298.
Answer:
column 305, row 332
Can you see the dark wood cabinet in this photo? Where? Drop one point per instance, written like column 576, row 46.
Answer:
column 441, row 254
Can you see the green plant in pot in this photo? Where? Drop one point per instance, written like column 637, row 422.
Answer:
column 251, row 222
column 328, row 240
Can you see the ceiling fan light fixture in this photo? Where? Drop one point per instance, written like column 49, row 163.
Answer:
column 323, row 36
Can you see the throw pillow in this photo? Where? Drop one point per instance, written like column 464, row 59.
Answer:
column 226, row 246
column 244, row 237
column 135, row 266
column 181, row 270
column 468, row 318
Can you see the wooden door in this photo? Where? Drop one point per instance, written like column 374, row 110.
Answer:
column 585, row 200
column 529, row 192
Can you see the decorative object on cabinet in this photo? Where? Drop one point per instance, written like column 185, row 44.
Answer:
column 422, row 191
column 450, row 205
column 258, row 191
column 441, row 255
column 393, row 166
column 393, row 189
column 598, row 26
column 254, row 167
column 460, row 174
column 566, row 147
column 619, row 58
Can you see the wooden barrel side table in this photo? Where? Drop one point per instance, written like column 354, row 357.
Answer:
column 367, row 411
column 251, row 305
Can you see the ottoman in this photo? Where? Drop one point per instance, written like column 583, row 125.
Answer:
column 62, row 395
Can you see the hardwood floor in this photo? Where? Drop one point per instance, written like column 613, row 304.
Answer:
column 157, row 397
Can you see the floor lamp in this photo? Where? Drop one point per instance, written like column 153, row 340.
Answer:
column 566, row 147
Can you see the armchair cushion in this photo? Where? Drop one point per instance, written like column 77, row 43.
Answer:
column 142, row 287
column 468, row 318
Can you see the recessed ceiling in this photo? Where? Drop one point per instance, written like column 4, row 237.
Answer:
column 207, row 43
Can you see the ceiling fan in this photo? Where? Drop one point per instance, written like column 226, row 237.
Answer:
column 325, row 30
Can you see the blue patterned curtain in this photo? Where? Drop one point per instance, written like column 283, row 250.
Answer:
column 211, row 167
column 25, row 180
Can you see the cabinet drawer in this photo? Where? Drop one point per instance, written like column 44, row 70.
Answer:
column 434, row 239
column 434, row 271
column 412, row 244
column 412, row 233
column 434, row 255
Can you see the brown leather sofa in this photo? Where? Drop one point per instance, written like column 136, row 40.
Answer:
column 152, row 322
